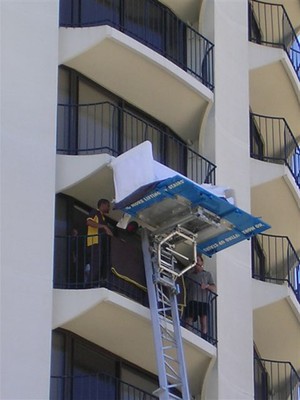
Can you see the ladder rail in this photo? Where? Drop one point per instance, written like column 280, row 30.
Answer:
column 163, row 383
column 162, row 293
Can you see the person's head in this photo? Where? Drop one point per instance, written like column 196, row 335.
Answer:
column 104, row 206
column 199, row 263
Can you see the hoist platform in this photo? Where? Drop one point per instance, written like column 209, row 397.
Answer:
column 160, row 199
column 179, row 218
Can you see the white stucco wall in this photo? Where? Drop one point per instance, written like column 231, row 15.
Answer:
column 29, row 37
column 233, row 375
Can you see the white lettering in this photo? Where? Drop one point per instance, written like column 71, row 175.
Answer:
column 176, row 184
column 232, row 237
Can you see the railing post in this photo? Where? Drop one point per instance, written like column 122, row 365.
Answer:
column 278, row 30
column 282, row 260
column 166, row 21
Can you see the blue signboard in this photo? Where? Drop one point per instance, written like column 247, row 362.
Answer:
column 177, row 199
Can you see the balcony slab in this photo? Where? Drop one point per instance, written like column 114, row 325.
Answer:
column 274, row 85
column 276, row 312
column 139, row 75
column 281, row 208
column 100, row 315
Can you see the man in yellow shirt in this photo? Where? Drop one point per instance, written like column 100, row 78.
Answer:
column 96, row 228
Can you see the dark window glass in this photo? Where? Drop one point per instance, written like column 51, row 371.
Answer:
column 57, row 366
column 137, row 129
column 63, row 112
column 89, row 367
column 66, row 10
column 98, row 121
column 260, row 381
column 61, row 241
column 80, row 370
column 100, row 12
column 255, row 34
column 144, row 20
column 101, row 125
column 148, row 21
column 256, row 140
column 175, row 46
column 133, row 377
column 175, row 155
column 258, row 260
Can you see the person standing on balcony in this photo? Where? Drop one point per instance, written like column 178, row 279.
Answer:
column 199, row 284
column 97, row 231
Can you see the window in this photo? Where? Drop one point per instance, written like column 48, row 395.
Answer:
column 92, row 120
column 145, row 20
column 98, row 120
column 81, row 370
column 91, row 371
column 95, row 12
column 88, row 116
column 256, row 140
column 258, row 260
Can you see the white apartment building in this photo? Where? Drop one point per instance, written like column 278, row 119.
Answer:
column 214, row 86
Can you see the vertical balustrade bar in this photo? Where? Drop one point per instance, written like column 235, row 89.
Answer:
column 149, row 22
column 275, row 141
column 97, row 133
column 276, row 30
column 280, row 258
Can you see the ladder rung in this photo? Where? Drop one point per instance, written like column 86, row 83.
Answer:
column 174, row 385
column 166, row 282
column 166, row 263
column 169, row 348
column 174, row 377
column 174, row 397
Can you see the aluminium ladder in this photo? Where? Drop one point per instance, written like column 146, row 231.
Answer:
column 161, row 274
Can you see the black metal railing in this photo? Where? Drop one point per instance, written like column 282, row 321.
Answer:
column 275, row 380
column 270, row 25
column 271, row 139
column 205, row 303
column 150, row 23
column 77, row 266
column 107, row 128
column 95, row 387
column 275, row 260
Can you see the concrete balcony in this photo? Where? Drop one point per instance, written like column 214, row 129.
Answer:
column 276, row 196
column 139, row 75
column 273, row 77
column 276, row 312
column 275, row 379
column 100, row 315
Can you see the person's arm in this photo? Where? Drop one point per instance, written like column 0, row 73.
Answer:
column 209, row 286
column 94, row 224
column 212, row 287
